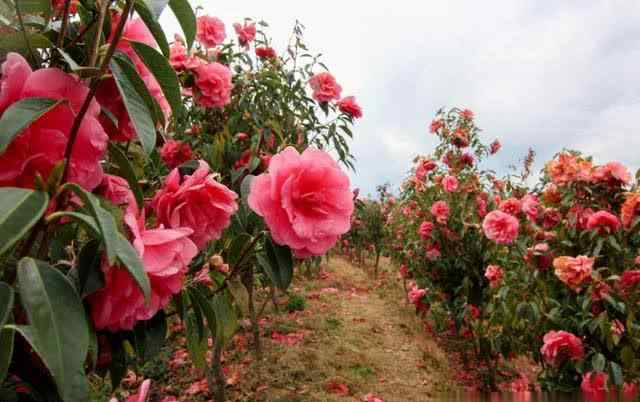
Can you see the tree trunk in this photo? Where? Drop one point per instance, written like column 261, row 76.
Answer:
column 248, row 282
column 215, row 376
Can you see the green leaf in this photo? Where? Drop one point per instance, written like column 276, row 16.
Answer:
column 20, row 115
column 6, row 302
column 130, row 84
column 126, row 170
column 598, row 361
column 35, row 6
column 88, row 221
column 164, row 74
column 151, row 21
column 245, row 187
column 131, row 260
column 58, row 330
column 277, row 262
column 14, row 42
column 6, row 351
column 89, row 269
column 68, row 59
column 219, row 313
column 150, row 336
column 196, row 345
column 20, row 209
column 187, row 19
column 616, row 374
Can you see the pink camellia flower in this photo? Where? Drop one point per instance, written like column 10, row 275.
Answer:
column 304, row 199
column 440, row 211
column 559, row 346
column 211, row 31
column 511, row 206
column 494, row 275
column 450, row 183
column 603, row 222
column 495, row 147
column 174, row 153
column 166, row 254
column 529, row 206
column 415, row 296
column 40, row 146
column 539, row 256
column 424, row 167
column 266, row 52
column 197, row 202
column 179, row 59
column 58, row 6
column 349, row 106
column 141, row 396
column 500, row 227
column 594, row 383
column 481, row 204
column 246, row 33
column 467, row 114
column 116, row 189
column 433, row 252
column 436, row 124
column 629, row 280
column 467, row 159
column 213, row 84
column 550, row 218
column 325, row 88
column 425, row 230
column 629, row 390
column 573, row 271
column 613, row 173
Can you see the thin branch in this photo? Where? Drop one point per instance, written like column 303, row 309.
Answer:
column 24, row 31
column 93, row 88
column 104, row 7
column 65, row 22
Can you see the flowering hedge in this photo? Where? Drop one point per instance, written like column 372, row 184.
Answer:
column 141, row 176
column 548, row 271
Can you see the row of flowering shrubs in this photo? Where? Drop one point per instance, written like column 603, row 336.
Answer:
column 549, row 272
column 139, row 177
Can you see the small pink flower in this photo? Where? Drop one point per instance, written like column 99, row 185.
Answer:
column 349, row 107
column 511, row 206
column 560, row 346
column 305, row 200
column 500, row 227
column 325, row 88
column 494, row 275
column 265, row 52
column 466, row 114
column 425, row 230
column 594, row 383
column 530, row 205
column 246, row 33
column 180, row 60
column 211, row 31
column 495, row 147
column 433, row 252
column 440, row 211
column 213, row 84
column 436, row 124
column 198, row 202
column 174, row 153
column 450, row 183
column 203, row 277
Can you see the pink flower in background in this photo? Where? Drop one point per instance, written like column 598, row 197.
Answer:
column 425, row 230
column 511, row 206
column 561, row 345
column 174, row 153
column 246, row 33
column 450, row 183
column 415, row 296
column 116, row 189
column 467, row 114
column 424, row 167
column 349, row 106
column 436, row 124
column 325, row 88
column 433, row 252
column 372, row 398
column 529, row 206
column 211, row 31
column 494, row 275
column 603, row 222
column 613, row 173
column 440, row 211
column 500, row 227
column 266, row 52
column 594, row 383
column 58, row 6
column 197, row 202
column 141, row 396
column 573, row 271
column 467, row 159
column 213, row 83
column 40, row 146
column 166, row 254
column 304, row 199
column 628, row 281
column 495, row 147
column 179, row 58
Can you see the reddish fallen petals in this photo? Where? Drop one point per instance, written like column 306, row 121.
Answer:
column 290, row 339
column 337, row 388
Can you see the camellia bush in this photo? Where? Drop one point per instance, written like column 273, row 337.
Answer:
column 548, row 272
column 141, row 177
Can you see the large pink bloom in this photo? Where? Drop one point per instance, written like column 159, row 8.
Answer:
column 211, row 31
column 325, row 88
column 122, row 129
column 304, row 199
column 560, row 346
column 450, row 183
column 440, row 211
column 166, row 254
column 39, row 147
column 213, row 83
column 198, row 202
column 573, row 271
column 603, row 222
column 500, row 227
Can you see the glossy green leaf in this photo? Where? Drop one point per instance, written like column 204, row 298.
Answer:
column 88, row 221
column 58, row 330
column 20, row 115
column 164, row 74
column 89, row 269
column 35, row 6
column 150, row 336
column 131, row 260
column 616, row 374
column 196, row 345
column 20, row 209
column 151, row 21
column 6, row 302
column 221, row 318
column 130, row 85
column 245, row 186
column 6, row 351
column 15, row 42
column 277, row 262
column 126, row 171
column 186, row 18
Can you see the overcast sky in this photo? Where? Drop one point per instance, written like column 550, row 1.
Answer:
column 546, row 74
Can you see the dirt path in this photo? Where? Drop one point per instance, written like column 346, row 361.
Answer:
column 355, row 336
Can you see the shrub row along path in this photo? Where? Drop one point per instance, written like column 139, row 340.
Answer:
column 355, row 336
